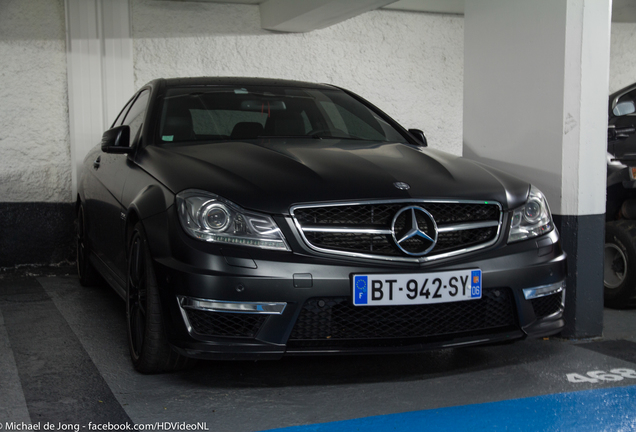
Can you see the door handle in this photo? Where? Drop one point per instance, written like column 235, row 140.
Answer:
column 97, row 162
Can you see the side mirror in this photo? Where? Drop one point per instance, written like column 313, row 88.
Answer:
column 117, row 140
column 419, row 135
column 624, row 106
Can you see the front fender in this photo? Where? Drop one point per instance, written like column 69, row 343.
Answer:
column 151, row 200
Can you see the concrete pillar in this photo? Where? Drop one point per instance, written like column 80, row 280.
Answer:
column 536, row 76
column 99, row 58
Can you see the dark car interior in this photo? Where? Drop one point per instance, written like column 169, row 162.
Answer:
column 227, row 113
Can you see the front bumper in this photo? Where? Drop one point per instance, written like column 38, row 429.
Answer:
column 224, row 302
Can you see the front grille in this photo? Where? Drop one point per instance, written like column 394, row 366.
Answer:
column 365, row 229
column 547, row 305
column 381, row 214
column 334, row 321
column 208, row 323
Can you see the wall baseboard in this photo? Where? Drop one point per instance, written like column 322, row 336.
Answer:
column 36, row 233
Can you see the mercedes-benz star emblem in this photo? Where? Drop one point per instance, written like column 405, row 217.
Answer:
column 402, row 185
column 414, row 231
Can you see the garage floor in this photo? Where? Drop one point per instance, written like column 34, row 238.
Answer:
column 64, row 360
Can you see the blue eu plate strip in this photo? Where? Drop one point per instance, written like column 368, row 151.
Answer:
column 612, row 409
column 360, row 290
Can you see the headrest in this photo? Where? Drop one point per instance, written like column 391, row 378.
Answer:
column 247, row 130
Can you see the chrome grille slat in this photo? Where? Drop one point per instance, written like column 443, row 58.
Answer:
column 363, row 229
column 466, row 226
column 347, row 230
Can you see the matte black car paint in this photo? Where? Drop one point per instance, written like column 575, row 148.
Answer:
column 269, row 176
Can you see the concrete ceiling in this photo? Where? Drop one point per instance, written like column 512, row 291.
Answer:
column 437, row 6
column 304, row 16
column 622, row 10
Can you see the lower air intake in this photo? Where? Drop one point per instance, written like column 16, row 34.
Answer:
column 331, row 320
column 547, row 305
column 225, row 324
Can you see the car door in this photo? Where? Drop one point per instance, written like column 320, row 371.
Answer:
column 106, row 212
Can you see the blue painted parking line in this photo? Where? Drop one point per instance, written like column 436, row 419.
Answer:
column 610, row 409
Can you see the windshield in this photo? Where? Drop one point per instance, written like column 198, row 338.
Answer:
column 229, row 113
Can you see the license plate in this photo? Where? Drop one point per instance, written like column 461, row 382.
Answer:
column 416, row 288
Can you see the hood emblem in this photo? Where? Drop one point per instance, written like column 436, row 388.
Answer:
column 402, row 185
column 414, row 231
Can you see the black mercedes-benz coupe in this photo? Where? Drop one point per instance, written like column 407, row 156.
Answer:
column 245, row 218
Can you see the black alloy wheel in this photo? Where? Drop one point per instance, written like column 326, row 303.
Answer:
column 149, row 348
column 136, row 297
column 619, row 266
column 85, row 270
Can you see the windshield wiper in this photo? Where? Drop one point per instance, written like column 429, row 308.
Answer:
column 352, row 138
column 288, row 136
column 314, row 136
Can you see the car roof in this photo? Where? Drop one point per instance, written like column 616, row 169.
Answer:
column 234, row 81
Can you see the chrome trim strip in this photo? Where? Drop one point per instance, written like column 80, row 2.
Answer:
column 347, row 230
column 466, row 226
column 465, row 343
column 543, row 290
column 398, row 201
column 556, row 314
column 389, row 201
column 184, row 315
column 443, row 228
column 222, row 306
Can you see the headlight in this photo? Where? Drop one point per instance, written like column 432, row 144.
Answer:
column 532, row 219
column 208, row 217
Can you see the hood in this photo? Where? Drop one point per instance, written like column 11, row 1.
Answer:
column 272, row 175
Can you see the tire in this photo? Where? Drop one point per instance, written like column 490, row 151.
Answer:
column 619, row 264
column 149, row 348
column 85, row 271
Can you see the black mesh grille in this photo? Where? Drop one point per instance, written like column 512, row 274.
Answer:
column 371, row 214
column 380, row 216
column 224, row 324
column 325, row 321
column 350, row 242
column 548, row 305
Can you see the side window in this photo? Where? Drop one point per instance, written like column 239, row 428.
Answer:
column 622, row 110
column 135, row 116
column 632, row 95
